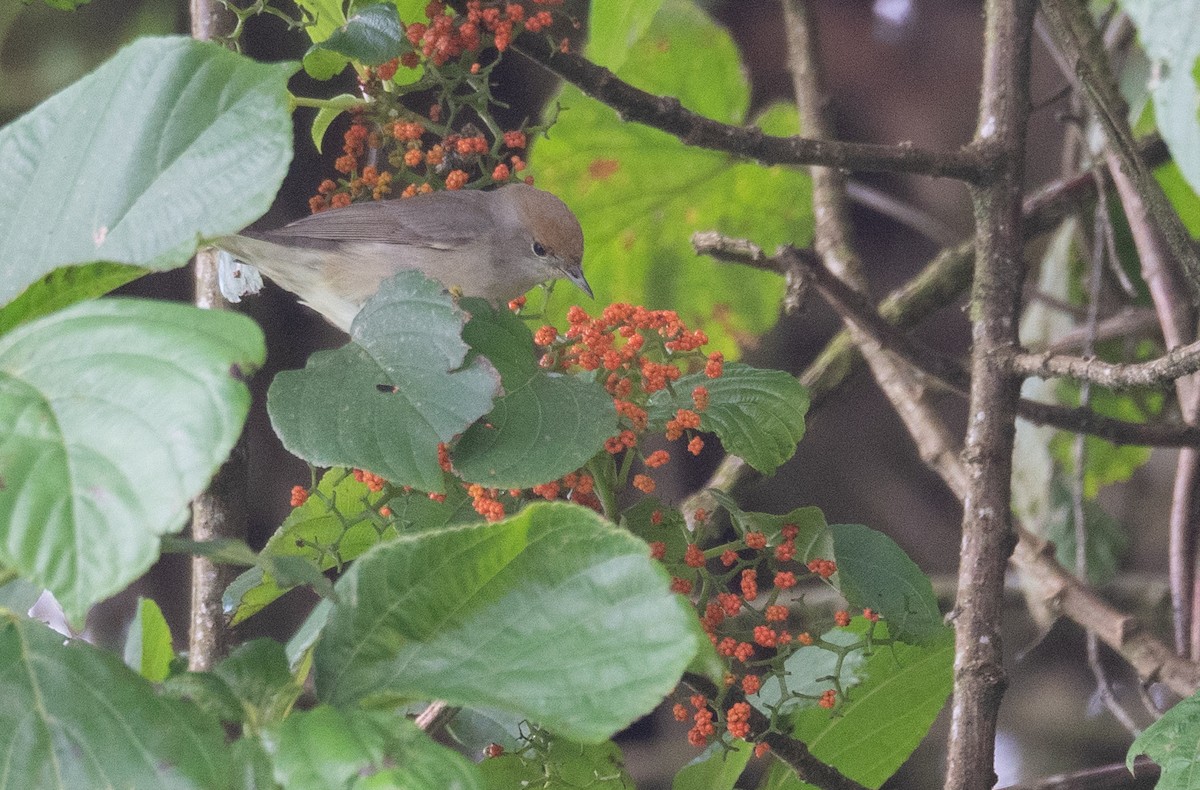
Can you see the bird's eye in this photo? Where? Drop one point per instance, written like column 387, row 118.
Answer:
column 539, row 250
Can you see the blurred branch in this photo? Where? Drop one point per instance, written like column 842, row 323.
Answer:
column 1106, row 777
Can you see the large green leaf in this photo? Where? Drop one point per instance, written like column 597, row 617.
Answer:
column 385, row 400
column 325, row 748
column 1170, row 33
column 258, row 674
column 873, row 572
column 171, row 141
column 554, row 614
column 543, row 426
column 640, row 193
column 72, row 716
column 757, row 414
column 113, row 415
column 901, row 690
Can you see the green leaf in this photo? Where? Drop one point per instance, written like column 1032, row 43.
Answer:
column 901, row 690
column 813, row 539
column 208, row 692
column 327, row 16
column 66, row 5
column 385, row 400
column 641, row 193
column 370, row 36
column 717, row 768
column 325, row 748
column 873, row 572
column 543, row 426
column 74, row 717
column 554, row 614
column 1182, row 196
column 1106, row 463
column 757, row 414
column 1170, row 33
column 259, row 675
column 615, row 26
column 64, row 287
column 171, row 141
column 1107, row 540
column 113, row 415
column 1171, row 742
column 337, row 523
column 671, row 530
column 559, row 765
column 148, row 648
column 811, row 669
column 329, row 112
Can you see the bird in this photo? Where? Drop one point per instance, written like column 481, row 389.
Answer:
column 496, row 245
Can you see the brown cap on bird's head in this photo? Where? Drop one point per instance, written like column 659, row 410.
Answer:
column 555, row 230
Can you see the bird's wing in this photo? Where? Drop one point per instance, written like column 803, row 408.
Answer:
column 441, row 219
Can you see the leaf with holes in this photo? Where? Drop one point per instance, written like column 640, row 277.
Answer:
column 384, row 401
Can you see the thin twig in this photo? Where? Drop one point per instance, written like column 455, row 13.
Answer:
column 853, row 308
column 1176, row 363
column 1106, row 777
column 1087, row 66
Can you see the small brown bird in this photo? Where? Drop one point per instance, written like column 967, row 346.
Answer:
column 496, row 245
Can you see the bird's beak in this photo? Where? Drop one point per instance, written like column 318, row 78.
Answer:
column 574, row 273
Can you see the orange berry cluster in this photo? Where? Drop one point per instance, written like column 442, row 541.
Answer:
column 753, row 637
column 637, row 352
column 418, row 152
column 448, row 37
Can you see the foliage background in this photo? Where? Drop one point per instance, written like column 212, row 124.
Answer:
column 891, row 77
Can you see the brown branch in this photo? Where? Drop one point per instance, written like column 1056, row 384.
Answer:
column 1176, row 363
column 1067, row 596
column 1083, row 49
column 221, row 511
column 979, row 676
column 667, row 114
column 852, row 308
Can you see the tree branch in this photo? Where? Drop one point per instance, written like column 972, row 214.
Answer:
column 667, row 114
column 221, row 511
column 979, row 676
column 1174, row 364
column 852, row 308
